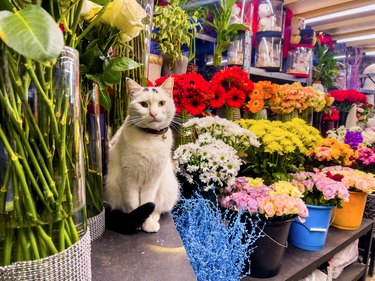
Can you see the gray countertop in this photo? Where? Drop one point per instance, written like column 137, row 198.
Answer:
column 141, row 256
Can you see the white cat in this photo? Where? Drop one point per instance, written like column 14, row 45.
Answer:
column 140, row 166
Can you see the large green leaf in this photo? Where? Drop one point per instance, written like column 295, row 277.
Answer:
column 32, row 32
column 115, row 66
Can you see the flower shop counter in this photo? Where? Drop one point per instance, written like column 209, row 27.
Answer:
column 298, row 263
column 141, row 256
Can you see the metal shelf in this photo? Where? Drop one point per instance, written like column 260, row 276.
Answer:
column 277, row 75
column 205, row 37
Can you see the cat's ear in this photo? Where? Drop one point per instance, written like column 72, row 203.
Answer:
column 168, row 85
column 133, row 87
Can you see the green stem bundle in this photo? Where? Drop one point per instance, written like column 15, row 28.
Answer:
column 40, row 165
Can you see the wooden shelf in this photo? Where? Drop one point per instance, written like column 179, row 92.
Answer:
column 352, row 273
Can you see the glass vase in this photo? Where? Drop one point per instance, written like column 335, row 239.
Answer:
column 93, row 149
column 42, row 176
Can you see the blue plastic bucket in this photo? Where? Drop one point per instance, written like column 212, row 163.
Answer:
column 312, row 234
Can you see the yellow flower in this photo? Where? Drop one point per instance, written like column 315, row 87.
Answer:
column 255, row 182
column 285, row 187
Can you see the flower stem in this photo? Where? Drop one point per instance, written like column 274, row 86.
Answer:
column 8, row 244
column 92, row 23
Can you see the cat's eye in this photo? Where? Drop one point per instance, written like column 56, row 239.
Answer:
column 162, row 103
column 144, row 104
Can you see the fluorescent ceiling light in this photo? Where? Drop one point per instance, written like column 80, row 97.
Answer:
column 339, row 57
column 357, row 38
column 341, row 14
column 372, row 53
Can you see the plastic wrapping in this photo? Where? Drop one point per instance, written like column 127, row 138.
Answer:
column 299, row 62
column 268, row 53
column 270, row 15
column 242, row 13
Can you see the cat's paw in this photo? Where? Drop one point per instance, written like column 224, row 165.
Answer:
column 151, row 225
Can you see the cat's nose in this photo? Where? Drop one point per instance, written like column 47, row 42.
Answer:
column 153, row 114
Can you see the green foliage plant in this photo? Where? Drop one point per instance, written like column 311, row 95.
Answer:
column 325, row 67
column 226, row 31
column 174, row 28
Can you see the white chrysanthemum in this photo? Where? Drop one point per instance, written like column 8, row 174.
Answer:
column 211, row 162
column 368, row 137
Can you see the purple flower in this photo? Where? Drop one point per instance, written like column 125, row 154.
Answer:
column 353, row 139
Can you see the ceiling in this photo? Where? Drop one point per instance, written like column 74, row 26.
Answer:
column 339, row 28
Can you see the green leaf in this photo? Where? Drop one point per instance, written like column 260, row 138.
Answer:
column 114, row 67
column 31, row 32
column 92, row 59
column 5, row 5
column 123, row 64
column 104, row 99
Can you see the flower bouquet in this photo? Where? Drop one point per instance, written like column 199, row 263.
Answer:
column 283, row 148
column 191, row 96
column 276, row 205
column 223, row 129
column 207, row 164
column 321, row 193
column 345, row 100
column 277, row 202
column 328, row 121
column 320, row 190
column 364, row 111
column 288, row 101
column 231, row 87
column 330, row 152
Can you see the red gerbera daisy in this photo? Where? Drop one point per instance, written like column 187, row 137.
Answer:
column 194, row 105
column 219, row 97
column 235, row 98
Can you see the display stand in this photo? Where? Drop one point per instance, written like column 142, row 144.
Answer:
column 298, row 263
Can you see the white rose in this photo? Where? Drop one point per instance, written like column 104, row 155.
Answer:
column 127, row 16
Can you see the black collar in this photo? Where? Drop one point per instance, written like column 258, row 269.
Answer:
column 153, row 131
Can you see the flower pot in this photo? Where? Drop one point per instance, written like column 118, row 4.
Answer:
column 350, row 216
column 312, row 234
column 42, row 203
column 269, row 250
column 179, row 67
column 326, row 126
column 343, row 117
column 155, row 65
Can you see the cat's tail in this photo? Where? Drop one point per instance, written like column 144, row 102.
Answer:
column 125, row 223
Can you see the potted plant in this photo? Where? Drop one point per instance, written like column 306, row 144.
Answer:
column 226, row 31
column 325, row 65
column 173, row 30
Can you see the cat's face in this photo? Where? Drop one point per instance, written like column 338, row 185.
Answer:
column 151, row 107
